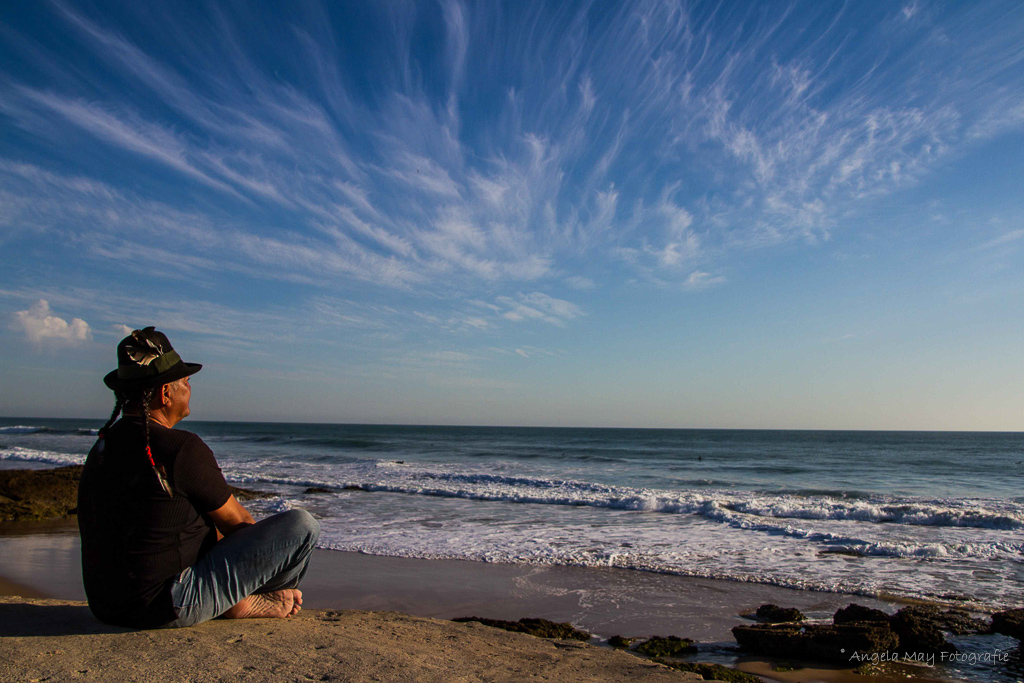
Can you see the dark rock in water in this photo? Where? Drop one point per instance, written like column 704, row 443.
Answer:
column 822, row 642
column 777, row 615
column 248, row 494
column 619, row 641
column 919, row 629
column 31, row 495
column 712, row 672
column 549, row 629
column 960, row 623
column 861, row 630
column 318, row 489
column 669, row 646
column 854, row 613
column 956, row 621
column 1009, row 623
column 39, row 494
column 542, row 628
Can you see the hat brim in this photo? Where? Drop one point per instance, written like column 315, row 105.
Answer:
column 175, row 373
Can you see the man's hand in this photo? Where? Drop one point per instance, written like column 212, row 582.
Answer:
column 230, row 517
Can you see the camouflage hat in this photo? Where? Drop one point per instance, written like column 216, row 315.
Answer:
column 146, row 359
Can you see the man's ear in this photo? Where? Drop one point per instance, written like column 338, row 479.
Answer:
column 163, row 397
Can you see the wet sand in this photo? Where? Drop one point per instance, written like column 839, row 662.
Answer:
column 605, row 602
column 415, row 592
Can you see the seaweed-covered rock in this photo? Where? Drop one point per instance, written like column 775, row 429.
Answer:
column 821, row 642
column 712, row 672
column 669, row 646
column 777, row 615
column 956, row 621
column 959, row 622
column 30, row 495
column 1009, row 623
column 854, row 613
column 33, row 495
column 919, row 629
column 248, row 494
column 542, row 628
column 619, row 641
column 318, row 489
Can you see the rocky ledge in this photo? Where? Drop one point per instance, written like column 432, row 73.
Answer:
column 914, row 630
column 34, row 495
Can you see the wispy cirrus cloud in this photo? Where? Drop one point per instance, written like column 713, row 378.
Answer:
column 127, row 131
column 700, row 280
column 1004, row 239
column 537, row 306
column 656, row 136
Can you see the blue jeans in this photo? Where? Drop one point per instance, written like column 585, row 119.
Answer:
column 271, row 555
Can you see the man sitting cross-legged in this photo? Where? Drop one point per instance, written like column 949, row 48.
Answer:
column 164, row 542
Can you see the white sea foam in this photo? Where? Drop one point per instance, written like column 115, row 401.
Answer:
column 683, row 545
column 22, row 429
column 742, row 509
column 33, row 455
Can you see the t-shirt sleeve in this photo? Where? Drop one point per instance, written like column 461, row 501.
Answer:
column 197, row 475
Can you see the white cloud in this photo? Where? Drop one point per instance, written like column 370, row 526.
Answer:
column 701, row 280
column 127, row 131
column 426, row 317
column 424, row 174
column 1005, row 238
column 39, row 325
column 538, row 306
column 476, row 322
column 525, row 351
column 457, row 39
column 580, row 282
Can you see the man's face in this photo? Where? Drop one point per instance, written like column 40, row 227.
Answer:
column 180, row 395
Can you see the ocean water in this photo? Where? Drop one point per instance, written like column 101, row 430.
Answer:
column 933, row 516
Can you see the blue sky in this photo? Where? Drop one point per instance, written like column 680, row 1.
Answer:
column 651, row 214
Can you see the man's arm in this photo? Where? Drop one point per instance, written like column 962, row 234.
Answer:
column 230, row 517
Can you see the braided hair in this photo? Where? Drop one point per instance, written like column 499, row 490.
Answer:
column 119, row 404
column 123, row 400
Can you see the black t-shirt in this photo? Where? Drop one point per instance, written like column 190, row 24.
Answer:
column 135, row 538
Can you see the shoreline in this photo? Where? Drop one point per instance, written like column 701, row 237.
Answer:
column 604, row 602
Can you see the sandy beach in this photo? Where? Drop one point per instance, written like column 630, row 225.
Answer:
column 59, row 640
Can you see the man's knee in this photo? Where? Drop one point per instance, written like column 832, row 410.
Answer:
column 300, row 523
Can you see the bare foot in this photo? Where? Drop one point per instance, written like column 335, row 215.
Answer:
column 273, row 605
